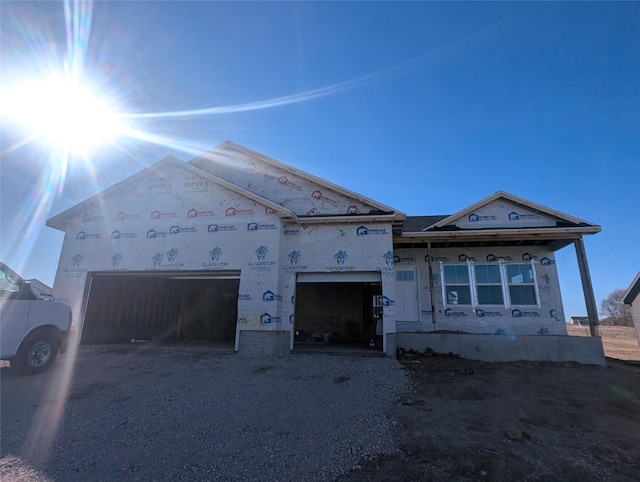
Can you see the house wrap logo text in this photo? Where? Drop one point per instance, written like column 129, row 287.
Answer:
column 474, row 218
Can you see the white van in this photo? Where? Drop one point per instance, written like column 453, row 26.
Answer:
column 32, row 330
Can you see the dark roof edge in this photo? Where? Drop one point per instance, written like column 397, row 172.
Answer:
column 632, row 291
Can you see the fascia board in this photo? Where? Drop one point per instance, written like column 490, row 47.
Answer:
column 57, row 222
column 232, row 146
column 632, row 291
column 543, row 209
column 537, row 232
column 346, row 219
column 513, row 199
column 450, row 219
column 282, row 211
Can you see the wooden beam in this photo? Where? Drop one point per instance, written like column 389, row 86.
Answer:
column 547, row 234
column 431, row 285
column 587, row 287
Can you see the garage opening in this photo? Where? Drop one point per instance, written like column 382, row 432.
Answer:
column 161, row 307
column 338, row 309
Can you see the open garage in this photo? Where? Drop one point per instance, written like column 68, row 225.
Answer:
column 165, row 307
column 338, row 308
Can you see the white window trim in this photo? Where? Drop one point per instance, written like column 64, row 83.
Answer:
column 444, row 283
column 475, row 285
column 472, row 285
column 537, row 304
column 504, row 282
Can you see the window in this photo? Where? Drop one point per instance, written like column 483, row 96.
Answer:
column 456, row 283
column 489, row 284
column 404, row 275
column 522, row 288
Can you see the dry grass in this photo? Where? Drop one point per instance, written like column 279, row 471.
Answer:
column 618, row 341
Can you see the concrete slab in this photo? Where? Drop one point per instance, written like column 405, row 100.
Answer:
column 338, row 349
column 502, row 348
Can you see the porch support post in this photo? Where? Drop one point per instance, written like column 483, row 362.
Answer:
column 587, row 287
column 431, row 285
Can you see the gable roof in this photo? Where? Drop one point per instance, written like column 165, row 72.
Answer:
column 444, row 231
column 564, row 219
column 59, row 221
column 229, row 146
column 632, row 292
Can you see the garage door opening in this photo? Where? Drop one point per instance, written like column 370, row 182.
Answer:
column 165, row 307
column 338, row 309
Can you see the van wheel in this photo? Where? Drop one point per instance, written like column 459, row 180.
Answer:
column 37, row 353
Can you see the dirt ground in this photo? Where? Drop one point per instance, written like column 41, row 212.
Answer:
column 618, row 341
column 468, row 420
column 465, row 420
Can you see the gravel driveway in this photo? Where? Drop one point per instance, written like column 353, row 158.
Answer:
column 186, row 414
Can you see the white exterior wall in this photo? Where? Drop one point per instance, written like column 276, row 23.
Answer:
column 547, row 317
column 174, row 222
column 176, row 218
column 336, row 248
column 178, row 221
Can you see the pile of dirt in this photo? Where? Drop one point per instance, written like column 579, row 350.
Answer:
column 470, row 420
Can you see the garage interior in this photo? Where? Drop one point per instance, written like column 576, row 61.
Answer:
column 161, row 307
column 338, row 313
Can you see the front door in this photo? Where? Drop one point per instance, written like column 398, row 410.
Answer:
column 406, row 289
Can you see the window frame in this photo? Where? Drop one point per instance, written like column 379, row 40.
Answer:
column 401, row 270
column 477, row 284
column 505, row 284
column 445, row 284
column 533, row 283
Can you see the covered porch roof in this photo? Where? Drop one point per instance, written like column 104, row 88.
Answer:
column 556, row 231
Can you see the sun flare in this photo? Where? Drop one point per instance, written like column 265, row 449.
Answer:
column 62, row 111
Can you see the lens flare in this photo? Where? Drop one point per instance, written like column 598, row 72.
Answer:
column 58, row 107
column 60, row 110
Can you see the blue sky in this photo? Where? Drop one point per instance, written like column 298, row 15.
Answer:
column 426, row 107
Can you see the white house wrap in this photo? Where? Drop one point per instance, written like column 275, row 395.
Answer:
column 235, row 247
